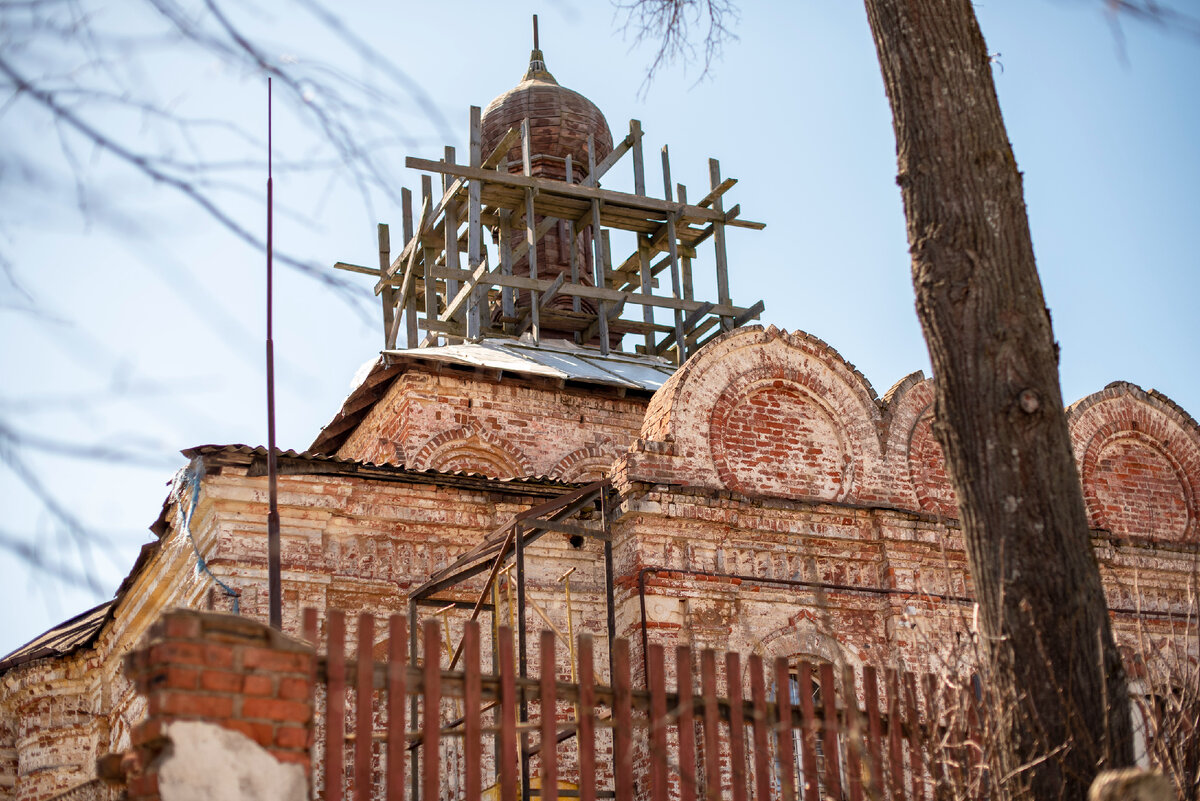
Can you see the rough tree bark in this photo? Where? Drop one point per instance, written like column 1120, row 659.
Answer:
column 998, row 410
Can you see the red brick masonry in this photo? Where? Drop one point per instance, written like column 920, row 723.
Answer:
column 223, row 669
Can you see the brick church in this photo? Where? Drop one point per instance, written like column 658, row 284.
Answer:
column 636, row 461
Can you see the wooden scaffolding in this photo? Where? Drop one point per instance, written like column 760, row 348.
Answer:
column 426, row 288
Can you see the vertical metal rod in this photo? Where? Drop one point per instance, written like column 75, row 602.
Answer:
column 496, row 740
column 274, row 578
column 415, row 778
column 522, row 655
column 611, row 610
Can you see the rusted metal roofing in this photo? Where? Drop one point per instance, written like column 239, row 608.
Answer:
column 82, row 630
column 306, row 462
column 67, row 637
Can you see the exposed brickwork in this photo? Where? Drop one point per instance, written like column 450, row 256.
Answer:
column 1139, row 458
column 453, row 421
column 231, row 671
column 767, row 460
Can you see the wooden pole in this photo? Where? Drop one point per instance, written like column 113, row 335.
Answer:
column 530, row 230
column 598, row 258
column 388, row 294
column 410, row 302
column 673, row 250
column 475, row 229
column 428, row 256
column 714, row 177
column 451, row 233
column 639, row 188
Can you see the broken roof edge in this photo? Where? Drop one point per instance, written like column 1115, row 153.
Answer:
column 312, row 463
column 84, row 629
column 558, row 361
column 73, row 634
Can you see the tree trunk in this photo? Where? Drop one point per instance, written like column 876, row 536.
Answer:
column 998, row 409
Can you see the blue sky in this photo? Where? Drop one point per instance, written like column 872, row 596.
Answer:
column 147, row 333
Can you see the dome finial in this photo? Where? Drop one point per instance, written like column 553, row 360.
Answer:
column 537, row 63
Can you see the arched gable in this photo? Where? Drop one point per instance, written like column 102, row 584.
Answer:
column 763, row 412
column 1139, row 460
column 472, row 449
column 589, row 463
column 803, row 638
column 915, row 458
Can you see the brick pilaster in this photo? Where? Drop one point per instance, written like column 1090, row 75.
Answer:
column 232, row 671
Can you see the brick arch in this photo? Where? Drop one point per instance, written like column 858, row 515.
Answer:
column 764, row 412
column 587, row 464
column 473, row 449
column 770, row 434
column 916, row 464
column 802, row 638
column 1139, row 461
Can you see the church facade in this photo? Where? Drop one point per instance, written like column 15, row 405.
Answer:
column 753, row 493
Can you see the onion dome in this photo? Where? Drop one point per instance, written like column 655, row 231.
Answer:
column 559, row 123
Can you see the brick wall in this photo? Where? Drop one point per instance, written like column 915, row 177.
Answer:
column 230, row 671
column 446, row 421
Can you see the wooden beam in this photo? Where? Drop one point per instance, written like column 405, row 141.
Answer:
column 470, row 287
column 450, row 225
column 406, row 256
column 572, row 257
column 611, row 316
column 685, row 262
column 689, row 324
column 531, row 234
column 428, row 255
column 598, row 258
column 474, row 226
column 508, row 296
column 631, row 140
column 672, row 244
column 497, row 278
column 749, row 314
column 555, row 285
column 358, row 268
column 717, row 191
column 500, row 151
column 562, row 189
column 714, row 176
column 409, row 300
column 387, row 296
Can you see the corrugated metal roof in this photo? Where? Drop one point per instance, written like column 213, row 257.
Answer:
column 68, row 636
column 554, row 359
column 353, row 466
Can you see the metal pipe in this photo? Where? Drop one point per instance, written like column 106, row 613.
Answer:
column 415, row 778
column 274, row 577
column 521, row 654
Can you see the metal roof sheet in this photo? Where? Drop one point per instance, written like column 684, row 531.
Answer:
column 68, row 636
column 554, row 359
